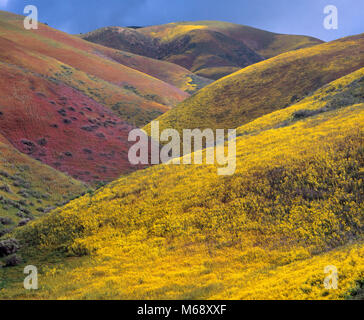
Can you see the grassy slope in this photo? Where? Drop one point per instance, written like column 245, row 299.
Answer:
column 266, row 86
column 293, row 206
column 32, row 187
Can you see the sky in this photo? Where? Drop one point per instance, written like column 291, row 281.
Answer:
column 304, row 17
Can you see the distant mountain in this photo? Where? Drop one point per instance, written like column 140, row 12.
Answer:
column 211, row 49
column 266, row 86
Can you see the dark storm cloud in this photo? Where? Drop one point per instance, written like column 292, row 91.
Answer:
column 284, row 16
column 77, row 16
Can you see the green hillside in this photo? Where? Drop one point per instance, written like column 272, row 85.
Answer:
column 29, row 189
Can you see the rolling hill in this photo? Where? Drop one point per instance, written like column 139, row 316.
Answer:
column 293, row 206
column 78, row 63
column 71, row 104
column 211, row 49
column 266, row 86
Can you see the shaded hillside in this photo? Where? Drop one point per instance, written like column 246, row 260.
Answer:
column 211, row 49
column 293, row 207
column 29, row 189
column 266, row 86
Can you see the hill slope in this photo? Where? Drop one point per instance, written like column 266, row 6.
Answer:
column 211, row 49
column 266, row 86
column 78, row 64
column 293, row 207
column 28, row 188
column 71, row 104
column 61, row 127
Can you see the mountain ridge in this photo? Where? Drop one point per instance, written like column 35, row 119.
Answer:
column 233, row 46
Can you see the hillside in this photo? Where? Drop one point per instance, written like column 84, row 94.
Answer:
column 61, row 127
column 293, row 207
column 266, row 86
column 29, row 189
column 211, row 49
column 78, row 63
column 71, row 104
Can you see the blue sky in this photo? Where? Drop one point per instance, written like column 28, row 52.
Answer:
column 283, row 16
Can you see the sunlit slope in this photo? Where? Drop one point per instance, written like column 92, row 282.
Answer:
column 293, row 207
column 91, row 69
column 211, row 49
column 348, row 90
column 267, row 44
column 266, row 86
column 28, row 188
